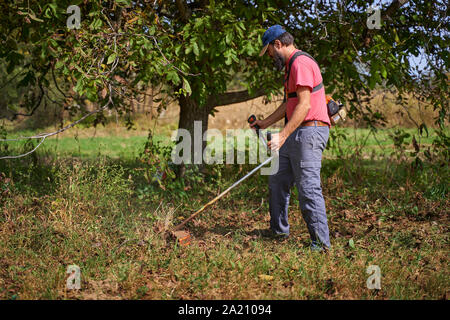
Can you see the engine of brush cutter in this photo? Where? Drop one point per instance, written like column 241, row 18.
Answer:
column 336, row 111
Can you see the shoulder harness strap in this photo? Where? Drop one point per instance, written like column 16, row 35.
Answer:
column 291, row 61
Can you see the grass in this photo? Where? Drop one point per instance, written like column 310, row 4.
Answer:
column 126, row 145
column 87, row 203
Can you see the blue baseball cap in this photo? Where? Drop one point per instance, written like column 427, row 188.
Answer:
column 271, row 34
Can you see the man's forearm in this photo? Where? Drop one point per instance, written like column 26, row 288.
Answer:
column 297, row 118
column 277, row 115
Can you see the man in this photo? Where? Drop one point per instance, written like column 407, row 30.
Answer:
column 300, row 143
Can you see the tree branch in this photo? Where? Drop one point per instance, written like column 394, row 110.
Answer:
column 43, row 136
column 393, row 7
column 227, row 98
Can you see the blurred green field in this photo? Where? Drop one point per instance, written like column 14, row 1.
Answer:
column 127, row 147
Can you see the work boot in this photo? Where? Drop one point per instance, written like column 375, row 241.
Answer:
column 268, row 233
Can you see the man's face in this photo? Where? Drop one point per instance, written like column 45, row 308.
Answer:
column 275, row 53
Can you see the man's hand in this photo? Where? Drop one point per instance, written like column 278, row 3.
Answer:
column 278, row 139
column 261, row 123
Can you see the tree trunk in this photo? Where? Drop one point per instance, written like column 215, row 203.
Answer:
column 190, row 111
column 148, row 102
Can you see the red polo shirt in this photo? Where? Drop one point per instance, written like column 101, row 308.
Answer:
column 306, row 73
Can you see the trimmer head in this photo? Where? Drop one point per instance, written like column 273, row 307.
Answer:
column 182, row 237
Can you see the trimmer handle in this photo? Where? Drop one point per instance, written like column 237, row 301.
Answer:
column 252, row 119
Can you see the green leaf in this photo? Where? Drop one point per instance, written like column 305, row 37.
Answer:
column 124, row 2
column 351, row 243
column 97, row 23
column 47, row 13
column 33, row 17
column 372, row 82
column 187, row 86
column 195, row 49
column 79, row 87
column 111, row 58
column 383, row 71
column 277, row 258
column 177, row 50
column 228, row 38
column 173, row 76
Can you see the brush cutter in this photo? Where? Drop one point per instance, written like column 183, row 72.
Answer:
column 183, row 237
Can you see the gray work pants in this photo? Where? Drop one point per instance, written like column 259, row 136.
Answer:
column 300, row 160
